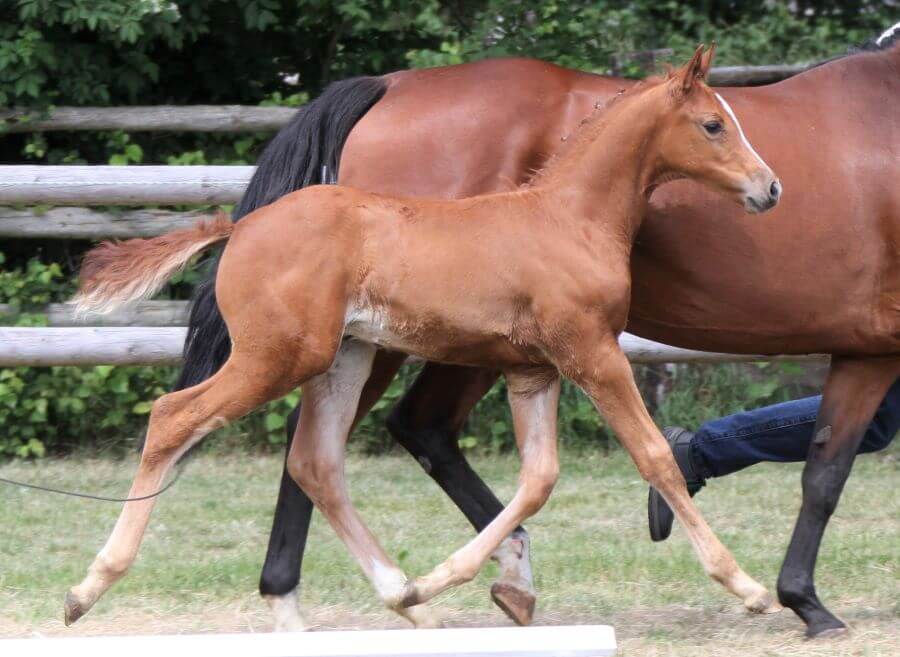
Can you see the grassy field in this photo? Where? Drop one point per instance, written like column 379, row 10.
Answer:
column 594, row 563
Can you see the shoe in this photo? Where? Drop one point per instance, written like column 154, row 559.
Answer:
column 659, row 514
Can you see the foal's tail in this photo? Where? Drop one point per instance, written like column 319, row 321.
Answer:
column 117, row 273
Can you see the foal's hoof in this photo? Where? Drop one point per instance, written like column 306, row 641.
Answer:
column 516, row 603
column 73, row 609
column 764, row 603
column 424, row 618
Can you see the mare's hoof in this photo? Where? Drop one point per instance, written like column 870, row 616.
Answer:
column 73, row 609
column 830, row 632
column 764, row 603
column 516, row 603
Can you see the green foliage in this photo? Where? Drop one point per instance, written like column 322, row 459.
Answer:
column 586, row 34
column 702, row 392
column 23, row 288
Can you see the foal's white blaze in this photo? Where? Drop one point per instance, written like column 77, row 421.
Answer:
column 887, row 34
column 740, row 130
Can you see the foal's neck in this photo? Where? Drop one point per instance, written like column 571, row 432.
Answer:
column 606, row 172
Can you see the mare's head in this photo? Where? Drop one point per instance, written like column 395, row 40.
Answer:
column 700, row 138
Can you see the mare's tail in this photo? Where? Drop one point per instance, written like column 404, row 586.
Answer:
column 304, row 152
column 117, row 273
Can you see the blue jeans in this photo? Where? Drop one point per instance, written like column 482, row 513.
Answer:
column 781, row 432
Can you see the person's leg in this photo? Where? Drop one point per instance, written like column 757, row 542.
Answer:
column 778, row 433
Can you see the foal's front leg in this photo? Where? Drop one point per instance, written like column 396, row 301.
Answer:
column 533, row 398
column 605, row 375
column 316, row 462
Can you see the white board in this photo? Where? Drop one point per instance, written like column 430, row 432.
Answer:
column 547, row 641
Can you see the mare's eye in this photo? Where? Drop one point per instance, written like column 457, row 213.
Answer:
column 713, row 127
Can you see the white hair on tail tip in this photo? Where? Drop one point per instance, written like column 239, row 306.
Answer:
column 887, row 34
column 108, row 296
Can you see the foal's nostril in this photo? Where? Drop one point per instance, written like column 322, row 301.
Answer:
column 775, row 189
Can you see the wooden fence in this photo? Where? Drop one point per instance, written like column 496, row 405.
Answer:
column 153, row 332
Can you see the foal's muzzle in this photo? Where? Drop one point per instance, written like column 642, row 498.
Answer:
column 764, row 199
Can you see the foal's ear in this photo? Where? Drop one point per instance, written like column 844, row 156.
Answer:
column 684, row 78
column 706, row 60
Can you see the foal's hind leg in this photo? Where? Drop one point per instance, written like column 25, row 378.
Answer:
column 533, row 397
column 178, row 421
column 605, row 375
column 427, row 422
column 280, row 577
column 316, row 462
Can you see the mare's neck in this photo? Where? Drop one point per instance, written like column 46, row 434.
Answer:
column 608, row 170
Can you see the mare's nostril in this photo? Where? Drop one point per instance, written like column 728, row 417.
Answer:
column 775, row 189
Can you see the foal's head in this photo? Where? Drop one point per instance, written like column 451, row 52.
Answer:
column 699, row 137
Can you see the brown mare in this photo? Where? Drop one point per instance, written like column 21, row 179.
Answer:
column 820, row 276
column 539, row 286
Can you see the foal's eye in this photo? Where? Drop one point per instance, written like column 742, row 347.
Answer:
column 713, row 127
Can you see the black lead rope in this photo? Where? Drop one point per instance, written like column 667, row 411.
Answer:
column 99, row 498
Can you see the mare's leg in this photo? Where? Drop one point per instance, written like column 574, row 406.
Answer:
column 605, row 376
column 427, row 422
column 316, row 462
column 178, row 421
column 280, row 576
column 852, row 393
column 533, row 398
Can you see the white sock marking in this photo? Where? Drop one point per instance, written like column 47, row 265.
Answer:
column 389, row 582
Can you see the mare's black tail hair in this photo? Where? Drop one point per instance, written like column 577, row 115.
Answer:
column 305, row 152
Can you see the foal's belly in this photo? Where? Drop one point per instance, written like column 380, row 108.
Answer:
column 436, row 339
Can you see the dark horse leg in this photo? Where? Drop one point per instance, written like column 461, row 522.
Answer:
column 426, row 422
column 853, row 391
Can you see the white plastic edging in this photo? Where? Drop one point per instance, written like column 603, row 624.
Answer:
column 547, row 641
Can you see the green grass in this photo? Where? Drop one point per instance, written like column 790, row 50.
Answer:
column 593, row 561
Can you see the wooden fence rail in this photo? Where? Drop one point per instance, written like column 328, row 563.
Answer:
column 122, row 185
column 150, row 118
column 70, row 223
column 249, row 118
column 163, row 345
column 143, row 313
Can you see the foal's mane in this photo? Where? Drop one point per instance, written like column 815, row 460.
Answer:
column 587, row 129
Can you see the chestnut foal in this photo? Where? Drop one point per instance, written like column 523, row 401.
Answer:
column 537, row 285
